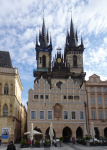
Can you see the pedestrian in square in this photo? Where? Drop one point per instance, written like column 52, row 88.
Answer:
column 12, row 145
column 9, row 147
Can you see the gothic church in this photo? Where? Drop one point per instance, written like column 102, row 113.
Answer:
column 57, row 95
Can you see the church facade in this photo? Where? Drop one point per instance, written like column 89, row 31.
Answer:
column 57, row 95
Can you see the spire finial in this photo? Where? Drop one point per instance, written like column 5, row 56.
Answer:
column 71, row 13
column 43, row 15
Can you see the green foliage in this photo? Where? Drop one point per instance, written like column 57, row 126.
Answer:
column 47, row 142
column 37, row 142
column 61, row 139
column 87, row 138
column 26, row 143
column 22, row 142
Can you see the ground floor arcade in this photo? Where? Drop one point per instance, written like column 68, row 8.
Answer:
column 67, row 130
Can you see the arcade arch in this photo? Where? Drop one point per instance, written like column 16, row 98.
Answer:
column 38, row 137
column 96, row 132
column 47, row 133
column 67, row 133
column 105, row 132
column 79, row 133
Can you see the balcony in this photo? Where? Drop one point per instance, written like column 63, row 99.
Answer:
column 40, row 69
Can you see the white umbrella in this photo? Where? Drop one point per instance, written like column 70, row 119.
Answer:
column 85, row 130
column 92, row 130
column 51, row 133
column 31, row 132
column 34, row 133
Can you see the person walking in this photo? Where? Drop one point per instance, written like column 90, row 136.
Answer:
column 9, row 147
column 12, row 145
column 0, row 142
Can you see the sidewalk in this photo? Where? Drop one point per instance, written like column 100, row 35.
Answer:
column 66, row 146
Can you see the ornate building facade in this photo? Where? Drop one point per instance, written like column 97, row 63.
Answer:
column 97, row 105
column 57, row 95
column 10, row 100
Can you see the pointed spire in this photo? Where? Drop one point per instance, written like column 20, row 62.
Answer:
column 50, row 39
column 82, row 41
column 43, row 40
column 76, row 36
column 72, row 37
column 47, row 36
column 39, row 34
column 36, row 40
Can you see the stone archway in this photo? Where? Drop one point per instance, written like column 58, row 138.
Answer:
column 105, row 132
column 96, row 132
column 38, row 137
column 67, row 133
column 79, row 133
column 47, row 134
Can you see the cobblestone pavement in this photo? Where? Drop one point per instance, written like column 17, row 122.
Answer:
column 68, row 146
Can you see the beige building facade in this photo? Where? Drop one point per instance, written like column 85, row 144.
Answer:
column 10, row 100
column 63, row 107
column 97, row 105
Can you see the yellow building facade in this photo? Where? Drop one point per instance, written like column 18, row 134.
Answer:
column 10, row 100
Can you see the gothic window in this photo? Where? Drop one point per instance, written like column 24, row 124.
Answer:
column 44, row 61
column 5, row 110
column 6, row 89
column 0, row 88
column 75, row 60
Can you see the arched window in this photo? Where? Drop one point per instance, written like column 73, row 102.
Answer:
column 5, row 110
column 44, row 61
column 0, row 88
column 6, row 89
column 75, row 61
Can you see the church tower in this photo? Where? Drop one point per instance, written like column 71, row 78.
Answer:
column 43, row 52
column 73, row 55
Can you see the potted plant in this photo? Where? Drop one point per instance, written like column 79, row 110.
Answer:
column 47, row 143
column 61, row 141
column 22, row 142
column 37, row 143
column 29, row 142
column 26, row 144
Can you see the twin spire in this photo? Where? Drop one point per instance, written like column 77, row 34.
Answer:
column 72, row 38
column 43, row 37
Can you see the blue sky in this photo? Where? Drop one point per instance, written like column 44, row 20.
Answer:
column 20, row 21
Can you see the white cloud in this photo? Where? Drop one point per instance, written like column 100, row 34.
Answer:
column 20, row 20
